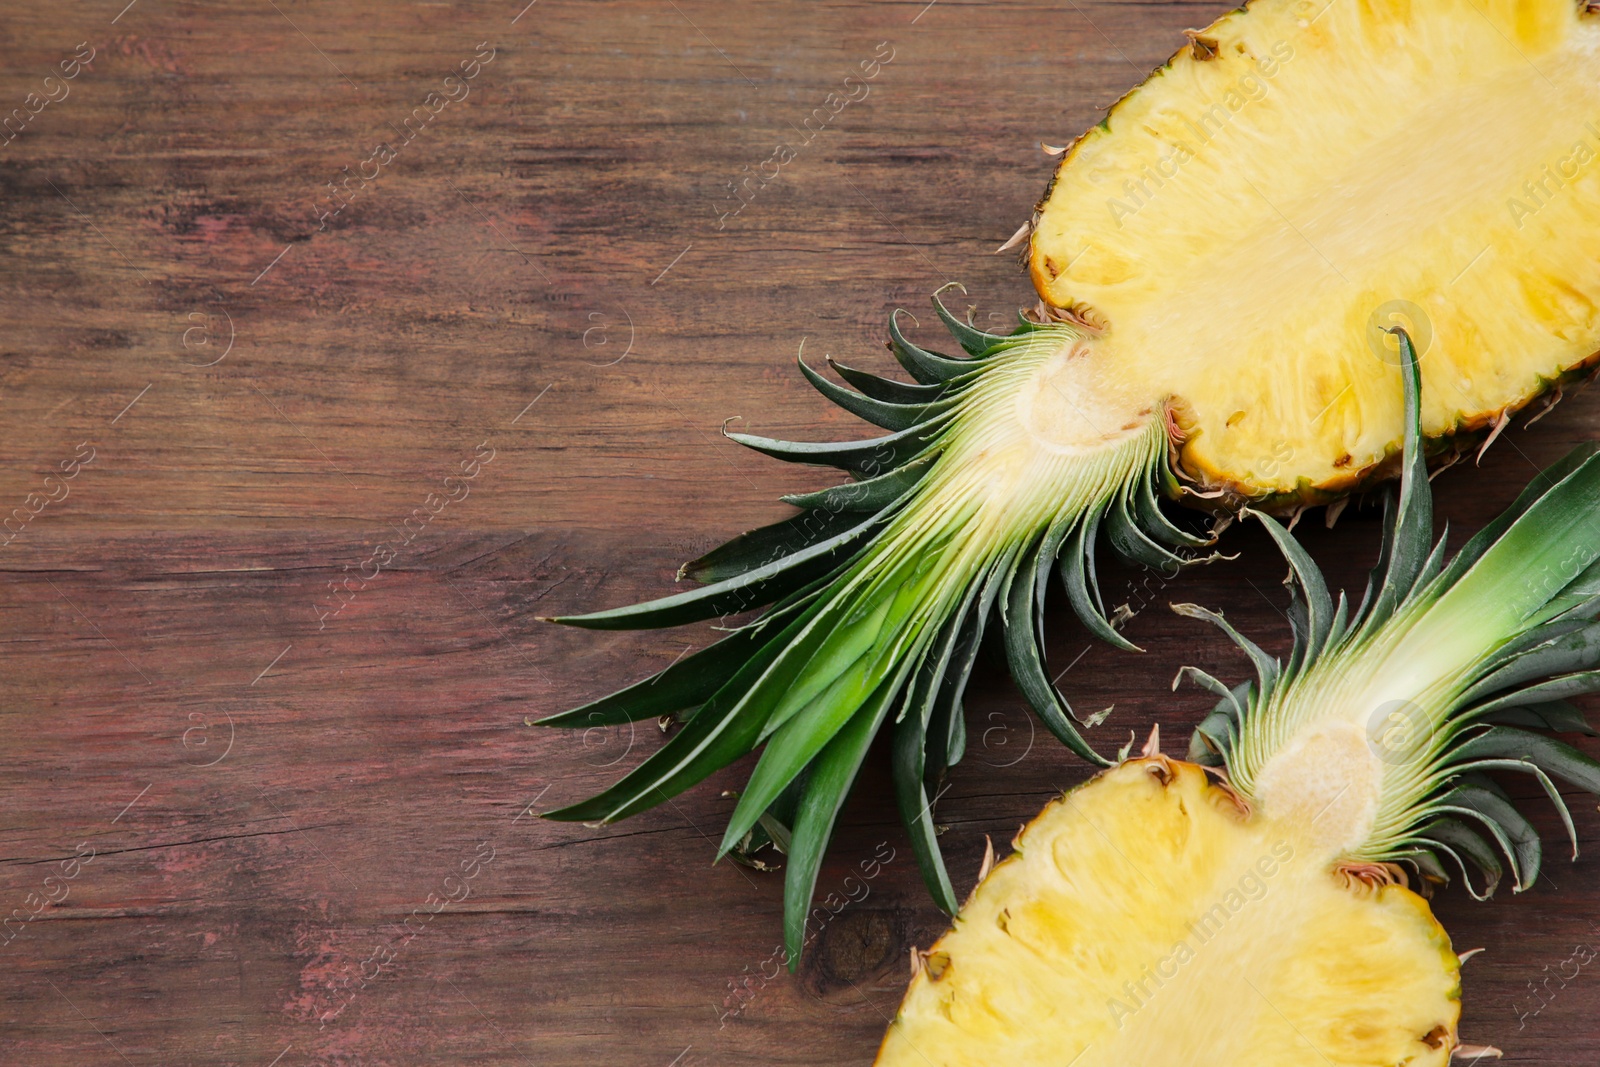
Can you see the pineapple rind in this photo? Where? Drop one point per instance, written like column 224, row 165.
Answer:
column 1219, row 492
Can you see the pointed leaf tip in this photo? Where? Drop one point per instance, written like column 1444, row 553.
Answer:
column 1017, row 238
column 1473, row 1053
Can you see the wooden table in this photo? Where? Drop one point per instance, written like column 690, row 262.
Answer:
column 280, row 693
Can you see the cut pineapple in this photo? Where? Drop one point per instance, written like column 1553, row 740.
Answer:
column 1146, row 918
column 1219, row 263
column 1256, row 911
column 1312, row 171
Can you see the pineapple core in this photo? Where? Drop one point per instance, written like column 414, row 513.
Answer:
column 1073, row 403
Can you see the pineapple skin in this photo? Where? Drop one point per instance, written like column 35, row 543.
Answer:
column 1244, row 222
column 1225, row 493
column 1149, row 917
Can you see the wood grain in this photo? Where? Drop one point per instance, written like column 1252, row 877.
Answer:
column 541, row 273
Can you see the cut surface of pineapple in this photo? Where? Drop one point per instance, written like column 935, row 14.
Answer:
column 1146, row 918
column 1246, row 224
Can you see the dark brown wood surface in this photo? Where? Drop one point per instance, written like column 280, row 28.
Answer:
column 545, row 275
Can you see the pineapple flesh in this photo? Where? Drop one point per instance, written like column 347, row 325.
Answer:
column 1309, row 172
column 1149, row 917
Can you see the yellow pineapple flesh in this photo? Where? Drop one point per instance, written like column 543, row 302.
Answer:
column 1147, row 918
column 1309, row 172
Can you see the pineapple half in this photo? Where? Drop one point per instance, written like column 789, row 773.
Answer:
column 1219, row 263
column 1256, row 909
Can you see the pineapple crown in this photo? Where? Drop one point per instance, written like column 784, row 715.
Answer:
column 1492, row 643
column 880, row 591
